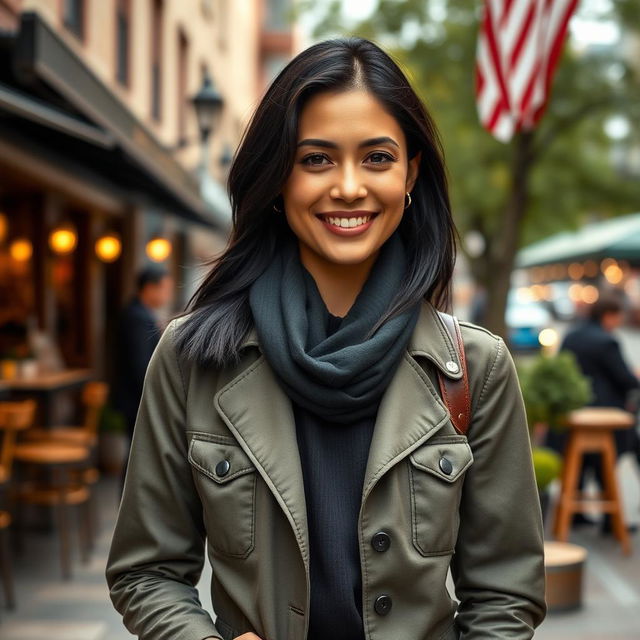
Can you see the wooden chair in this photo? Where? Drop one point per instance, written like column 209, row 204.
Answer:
column 14, row 417
column 94, row 397
column 591, row 431
column 55, row 481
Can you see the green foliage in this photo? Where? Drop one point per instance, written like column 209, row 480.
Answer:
column 547, row 465
column 111, row 421
column 553, row 386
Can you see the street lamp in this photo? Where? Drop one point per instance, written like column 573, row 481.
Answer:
column 208, row 105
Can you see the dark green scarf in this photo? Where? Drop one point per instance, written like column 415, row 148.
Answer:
column 340, row 377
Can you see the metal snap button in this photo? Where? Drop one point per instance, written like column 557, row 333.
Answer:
column 222, row 468
column 452, row 366
column 445, row 466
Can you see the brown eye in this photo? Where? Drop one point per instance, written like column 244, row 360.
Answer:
column 314, row 159
column 380, row 158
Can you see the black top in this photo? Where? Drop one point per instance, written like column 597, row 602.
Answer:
column 334, row 460
column 137, row 337
column 600, row 358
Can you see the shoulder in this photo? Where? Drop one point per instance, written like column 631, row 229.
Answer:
column 489, row 361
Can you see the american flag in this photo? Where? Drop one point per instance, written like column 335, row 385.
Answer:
column 518, row 48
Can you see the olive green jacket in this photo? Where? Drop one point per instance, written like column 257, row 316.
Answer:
column 481, row 519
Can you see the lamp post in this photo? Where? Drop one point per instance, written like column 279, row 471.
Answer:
column 208, row 105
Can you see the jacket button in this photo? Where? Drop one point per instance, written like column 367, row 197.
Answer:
column 445, row 466
column 380, row 541
column 382, row 605
column 222, row 468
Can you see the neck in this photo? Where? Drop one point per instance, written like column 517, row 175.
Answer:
column 338, row 284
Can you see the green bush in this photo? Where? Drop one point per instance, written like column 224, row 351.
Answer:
column 552, row 386
column 547, row 464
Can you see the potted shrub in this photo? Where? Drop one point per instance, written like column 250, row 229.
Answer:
column 113, row 448
column 551, row 387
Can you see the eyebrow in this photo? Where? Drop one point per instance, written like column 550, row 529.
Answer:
column 370, row 142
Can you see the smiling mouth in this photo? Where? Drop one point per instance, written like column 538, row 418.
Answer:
column 346, row 222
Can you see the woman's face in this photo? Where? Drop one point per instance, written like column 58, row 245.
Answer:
column 346, row 192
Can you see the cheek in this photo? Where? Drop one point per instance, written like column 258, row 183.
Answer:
column 302, row 188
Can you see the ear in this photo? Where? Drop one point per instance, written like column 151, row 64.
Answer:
column 412, row 170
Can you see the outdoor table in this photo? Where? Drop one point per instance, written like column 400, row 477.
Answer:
column 591, row 431
column 46, row 386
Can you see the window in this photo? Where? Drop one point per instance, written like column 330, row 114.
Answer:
column 156, row 58
column 183, row 61
column 123, row 17
column 73, row 16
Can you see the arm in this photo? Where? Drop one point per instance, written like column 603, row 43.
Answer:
column 498, row 565
column 157, row 551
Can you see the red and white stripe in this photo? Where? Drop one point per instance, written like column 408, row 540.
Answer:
column 518, row 48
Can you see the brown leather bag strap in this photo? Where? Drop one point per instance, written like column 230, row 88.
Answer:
column 456, row 393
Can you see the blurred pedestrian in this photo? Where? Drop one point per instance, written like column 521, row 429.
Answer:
column 600, row 358
column 138, row 333
column 291, row 418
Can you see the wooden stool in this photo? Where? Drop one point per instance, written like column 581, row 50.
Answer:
column 60, row 491
column 591, row 431
column 563, row 567
column 94, row 397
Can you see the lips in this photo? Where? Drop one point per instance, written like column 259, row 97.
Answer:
column 347, row 219
column 347, row 222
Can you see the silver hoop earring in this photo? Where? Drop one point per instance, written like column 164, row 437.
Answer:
column 408, row 203
column 276, row 209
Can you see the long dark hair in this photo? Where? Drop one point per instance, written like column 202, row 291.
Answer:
column 218, row 313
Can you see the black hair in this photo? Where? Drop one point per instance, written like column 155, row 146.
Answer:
column 609, row 301
column 219, row 315
column 150, row 274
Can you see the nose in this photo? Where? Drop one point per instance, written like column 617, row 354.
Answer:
column 349, row 186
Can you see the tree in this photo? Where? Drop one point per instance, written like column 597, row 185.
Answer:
column 542, row 181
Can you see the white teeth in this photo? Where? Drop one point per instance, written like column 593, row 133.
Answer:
column 348, row 222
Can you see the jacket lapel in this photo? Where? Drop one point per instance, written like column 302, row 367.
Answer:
column 260, row 416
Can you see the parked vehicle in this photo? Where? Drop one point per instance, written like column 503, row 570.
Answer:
column 525, row 320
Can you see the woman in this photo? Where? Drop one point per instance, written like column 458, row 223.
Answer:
column 291, row 418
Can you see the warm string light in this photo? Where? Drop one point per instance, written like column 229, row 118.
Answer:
column 63, row 239
column 108, row 247
column 21, row 250
column 158, row 249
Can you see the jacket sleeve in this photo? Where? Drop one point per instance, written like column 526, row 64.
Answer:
column 498, row 564
column 157, row 550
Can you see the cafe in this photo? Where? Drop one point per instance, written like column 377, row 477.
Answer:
column 87, row 196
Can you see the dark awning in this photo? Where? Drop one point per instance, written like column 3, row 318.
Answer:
column 52, row 101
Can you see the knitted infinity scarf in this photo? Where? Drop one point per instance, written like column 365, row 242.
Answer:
column 340, row 377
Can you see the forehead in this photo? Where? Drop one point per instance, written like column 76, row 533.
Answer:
column 346, row 115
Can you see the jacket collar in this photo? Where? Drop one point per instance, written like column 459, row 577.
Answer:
column 430, row 339
column 410, row 412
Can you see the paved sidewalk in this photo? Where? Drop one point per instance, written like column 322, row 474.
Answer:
column 80, row 609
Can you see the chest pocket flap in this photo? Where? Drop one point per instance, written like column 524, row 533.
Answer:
column 220, row 462
column 445, row 459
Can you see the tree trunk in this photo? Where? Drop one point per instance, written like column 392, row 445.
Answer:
column 504, row 246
